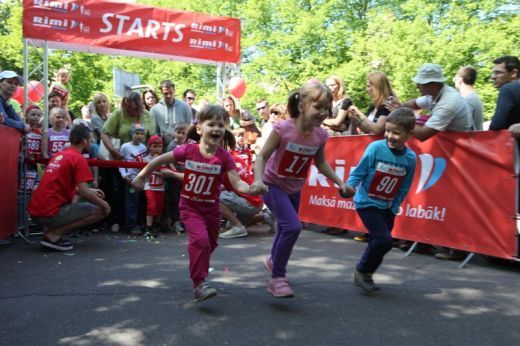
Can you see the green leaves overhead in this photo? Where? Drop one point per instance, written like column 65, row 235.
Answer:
column 286, row 42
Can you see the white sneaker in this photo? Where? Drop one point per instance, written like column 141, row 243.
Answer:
column 178, row 228
column 234, row 232
column 115, row 228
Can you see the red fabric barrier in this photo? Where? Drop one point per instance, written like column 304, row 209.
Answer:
column 123, row 28
column 462, row 197
column 9, row 151
column 104, row 163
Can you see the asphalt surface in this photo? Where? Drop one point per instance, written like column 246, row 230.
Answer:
column 113, row 289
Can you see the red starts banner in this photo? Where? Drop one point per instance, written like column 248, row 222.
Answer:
column 463, row 195
column 9, row 151
column 113, row 27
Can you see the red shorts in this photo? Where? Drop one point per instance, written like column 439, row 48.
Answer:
column 154, row 202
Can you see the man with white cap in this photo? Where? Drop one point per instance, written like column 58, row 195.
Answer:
column 448, row 109
column 448, row 112
column 9, row 82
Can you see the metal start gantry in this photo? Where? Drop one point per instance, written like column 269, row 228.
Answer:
column 36, row 68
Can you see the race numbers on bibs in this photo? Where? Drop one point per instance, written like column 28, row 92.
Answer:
column 155, row 179
column 200, row 181
column 34, row 141
column 57, row 143
column 296, row 160
column 30, row 181
column 386, row 182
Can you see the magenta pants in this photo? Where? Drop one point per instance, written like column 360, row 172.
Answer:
column 202, row 222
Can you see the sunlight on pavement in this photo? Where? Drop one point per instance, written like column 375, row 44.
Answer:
column 135, row 283
column 114, row 335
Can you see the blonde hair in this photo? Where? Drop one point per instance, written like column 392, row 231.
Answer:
column 382, row 88
column 342, row 93
column 309, row 92
column 96, row 99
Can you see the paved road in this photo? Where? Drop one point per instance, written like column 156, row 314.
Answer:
column 117, row 290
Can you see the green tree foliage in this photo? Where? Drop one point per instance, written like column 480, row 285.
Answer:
column 286, row 42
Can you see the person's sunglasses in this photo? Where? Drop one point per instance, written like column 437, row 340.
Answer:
column 190, row 98
column 260, row 108
column 275, row 112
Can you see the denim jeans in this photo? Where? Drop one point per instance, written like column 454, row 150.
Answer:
column 132, row 198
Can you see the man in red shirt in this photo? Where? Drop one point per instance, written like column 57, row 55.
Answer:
column 66, row 175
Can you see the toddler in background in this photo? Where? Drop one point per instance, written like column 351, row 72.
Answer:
column 62, row 85
column 173, row 186
column 56, row 138
column 154, row 188
column 133, row 151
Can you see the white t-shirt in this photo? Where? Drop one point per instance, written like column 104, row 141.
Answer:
column 449, row 112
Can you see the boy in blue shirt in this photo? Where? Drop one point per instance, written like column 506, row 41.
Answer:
column 381, row 180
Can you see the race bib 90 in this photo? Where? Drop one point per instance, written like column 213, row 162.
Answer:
column 200, row 181
column 386, row 182
column 296, row 160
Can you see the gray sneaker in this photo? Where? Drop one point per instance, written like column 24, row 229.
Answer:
column 234, row 232
column 365, row 281
column 178, row 228
column 136, row 231
column 204, row 291
column 270, row 220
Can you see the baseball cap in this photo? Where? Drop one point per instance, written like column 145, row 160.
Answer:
column 10, row 74
column 246, row 119
column 31, row 107
column 137, row 127
column 155, row 140
column 428, row 73
column 83, row 122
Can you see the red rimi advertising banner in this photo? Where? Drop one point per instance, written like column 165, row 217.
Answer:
column 119, row 28
column 462, row 196
column 9, row 151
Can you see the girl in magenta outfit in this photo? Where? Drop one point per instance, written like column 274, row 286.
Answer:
column 205, row 164
column 282, row 167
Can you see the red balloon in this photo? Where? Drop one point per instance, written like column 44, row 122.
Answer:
column 237, row 87
column 35, row 91
column 18, row 95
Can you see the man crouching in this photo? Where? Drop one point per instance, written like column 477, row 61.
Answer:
column 66, row 174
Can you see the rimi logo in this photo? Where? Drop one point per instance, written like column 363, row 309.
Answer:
column 432, row 170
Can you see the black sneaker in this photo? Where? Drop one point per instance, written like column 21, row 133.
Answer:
column 150, row 234
column 204, row 291
column 365, row 281
column 60, row 244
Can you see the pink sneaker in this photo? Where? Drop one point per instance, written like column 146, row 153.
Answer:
column 268, row 264
column 279, row 287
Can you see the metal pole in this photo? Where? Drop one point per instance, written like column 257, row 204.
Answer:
column 45, row 84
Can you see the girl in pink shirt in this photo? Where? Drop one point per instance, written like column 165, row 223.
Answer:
column 205, row 164
column 282, row 167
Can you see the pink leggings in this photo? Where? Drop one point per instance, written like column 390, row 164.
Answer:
column 202, row 222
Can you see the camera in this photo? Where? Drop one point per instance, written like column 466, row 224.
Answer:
column 345, row 104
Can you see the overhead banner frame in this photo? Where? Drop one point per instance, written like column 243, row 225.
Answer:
column 120, row 28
